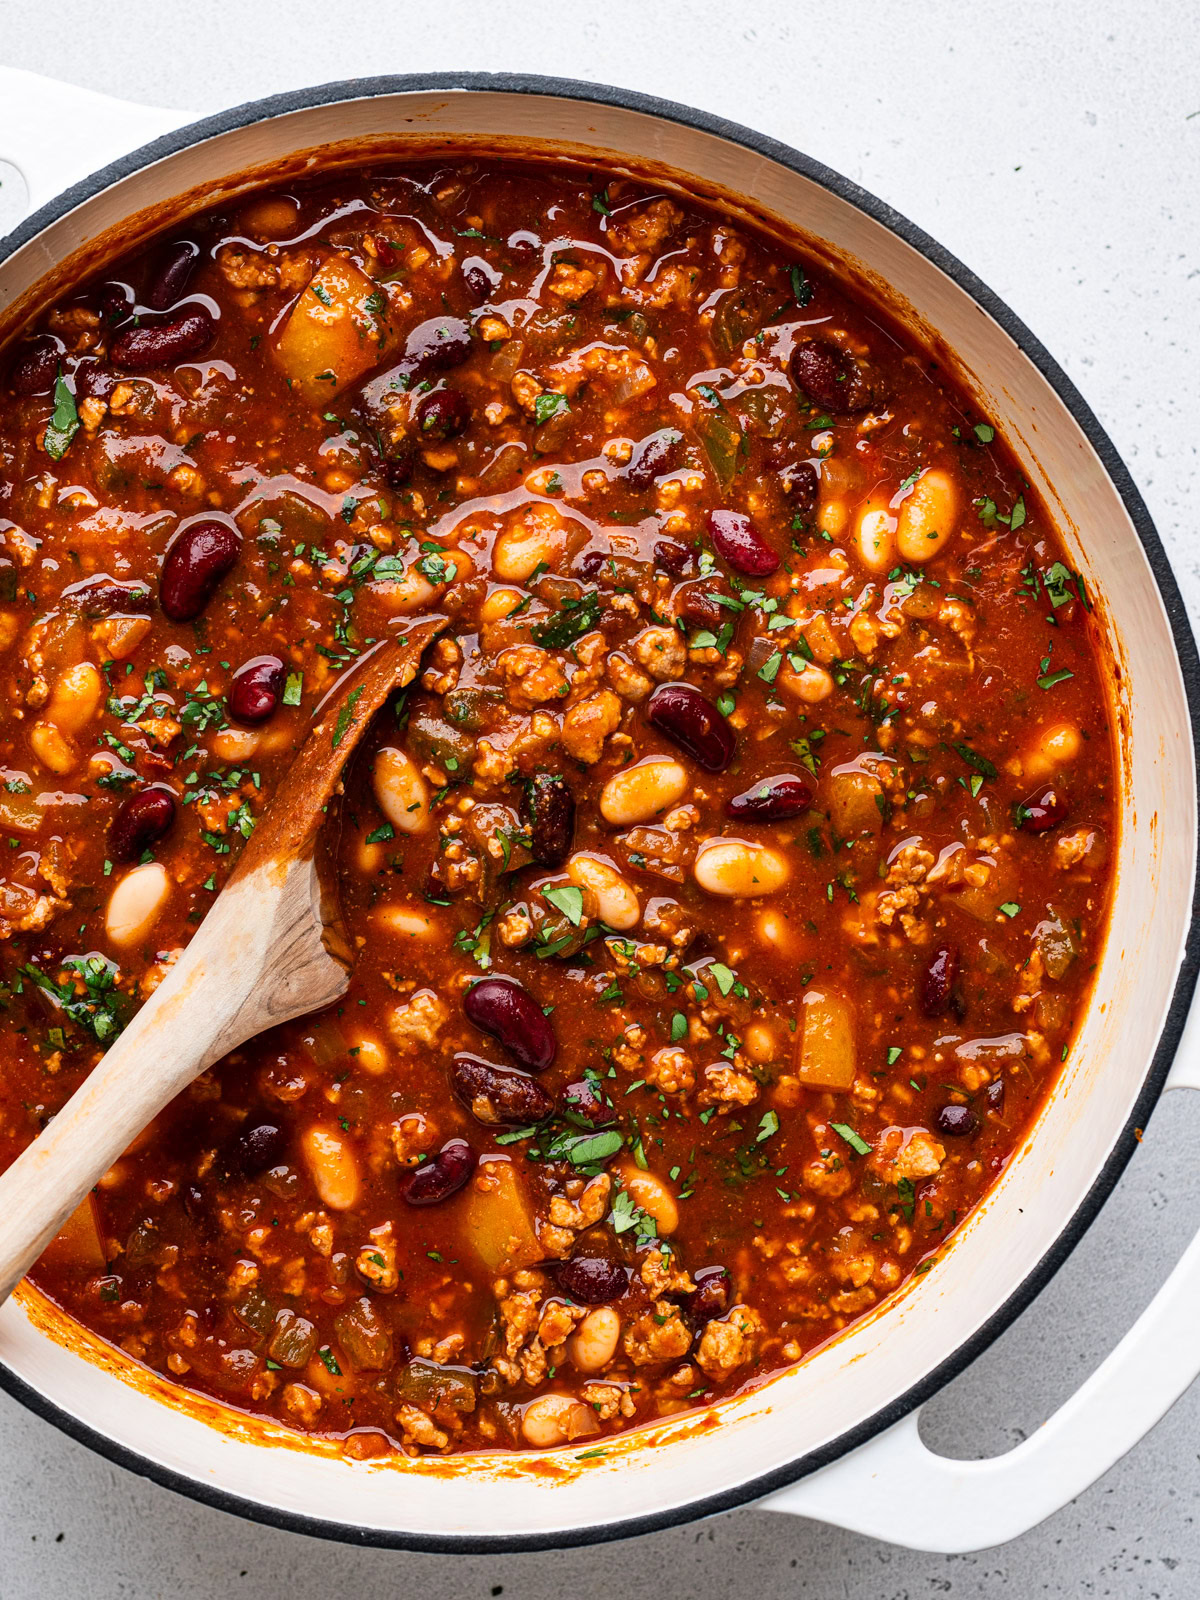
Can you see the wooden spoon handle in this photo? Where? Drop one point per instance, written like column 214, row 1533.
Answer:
column 261, row 944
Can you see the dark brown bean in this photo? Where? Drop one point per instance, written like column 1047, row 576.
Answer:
column 549, row 814
column 171, row 274
column 114, row 301
column 994, row 1096
column 693, row 723
column 256, row 687
column 955, row 1121
column 589, row 565
column 162, row 344
column 1043, row 811
column 258, row 1148
column 103, row 596
column 141, row 820
column 94, row 379
column 711, row 1295
column 200, row 556
column 697, row 603
column 443, row 1175
column 797, row 477
column 481, row 278
column 773, row 799
column 434, row 346
column 830, row 377
column 501, row 1007
column 499, row 1096
column 739, row 542
column 592, row 1280
column 673, row 558
column 398, row 462
column 442, row 415
column 651, row 457
column 35, row 365
column 937, row 982
column 586, row 1103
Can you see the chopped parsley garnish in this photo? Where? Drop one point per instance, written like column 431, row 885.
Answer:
column 576, row 618
column 550, row 404
column 64, row 420
column 846, row 1132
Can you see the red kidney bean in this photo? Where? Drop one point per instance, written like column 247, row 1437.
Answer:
column 256, row 687
column 711, row 1295
column 830, row 377
column 103, row 596
column 481, row 278
column 35, row 366
column 651, row 457
column 994, row 1095
column 258, row 1148
column 94, row 379
column 163, row 344
column 1043, row 811
column 501, row 1007
column 772, row 799
column 442, row 415
column 589, row 565
column 442, row 1176
column 693, row 723
column 938, row 980
column 141, row 820
column 171, row 274
column 583, row 1102
column 955, row 1121
column 548, row 810
column 435, row 346
column 196, row 562
column 675, row 558
column 592, row 1280
column 739, row 542
column 497, row 1095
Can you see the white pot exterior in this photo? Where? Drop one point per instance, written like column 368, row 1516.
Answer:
column 873, row 1373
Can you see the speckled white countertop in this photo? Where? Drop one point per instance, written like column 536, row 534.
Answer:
column 1053, row 145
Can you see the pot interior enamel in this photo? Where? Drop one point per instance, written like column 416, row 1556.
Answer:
column 882, row 1364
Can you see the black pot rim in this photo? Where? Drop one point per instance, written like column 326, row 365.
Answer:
column 1044, row 1269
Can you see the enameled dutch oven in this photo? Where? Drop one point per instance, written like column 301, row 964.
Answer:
column 836, row 1437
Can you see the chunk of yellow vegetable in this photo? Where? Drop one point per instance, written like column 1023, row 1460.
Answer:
column 827, row 1055
column 338, row 330
column 498, row 1222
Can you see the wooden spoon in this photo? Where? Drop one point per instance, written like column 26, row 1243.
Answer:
column 270, row 948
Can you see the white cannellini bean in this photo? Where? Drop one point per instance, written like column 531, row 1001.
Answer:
column 136, row 903
column 928, row 516
column 524, row 545
column 737, row 869
column 594, row 1342
column 616, row 902
column 332, row 1165
column 236, row 744
column 405, row 921
column 1056, row 747
column 875, row 535
column 554, row 1419
column 76, row 697
column 653, row 1196
column 401, row 791
column 636, row 794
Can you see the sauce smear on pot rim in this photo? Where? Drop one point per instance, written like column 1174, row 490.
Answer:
column 725, row 893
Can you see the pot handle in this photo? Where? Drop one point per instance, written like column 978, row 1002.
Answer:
column 896, row 1488
column 52, row 134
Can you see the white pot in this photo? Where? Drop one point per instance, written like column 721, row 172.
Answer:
column 853, row 1403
